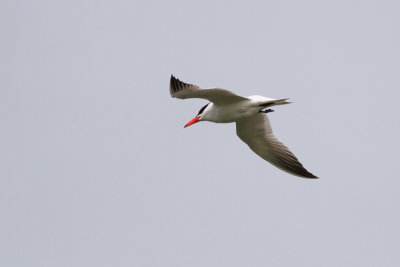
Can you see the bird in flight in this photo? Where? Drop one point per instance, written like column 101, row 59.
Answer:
column 252, row 123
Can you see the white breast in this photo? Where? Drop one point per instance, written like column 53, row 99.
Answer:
column 230, row 113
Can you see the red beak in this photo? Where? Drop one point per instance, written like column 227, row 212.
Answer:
column 192, row 121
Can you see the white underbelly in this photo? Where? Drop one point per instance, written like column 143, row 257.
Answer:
column 232, row 113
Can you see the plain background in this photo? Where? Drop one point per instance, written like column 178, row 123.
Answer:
column 96, row 169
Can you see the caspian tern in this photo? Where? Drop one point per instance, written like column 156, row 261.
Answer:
column 252, row 123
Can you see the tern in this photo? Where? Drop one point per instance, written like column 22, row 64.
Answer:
column 252, row 123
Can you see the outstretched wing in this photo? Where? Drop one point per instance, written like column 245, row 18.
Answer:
column 257, row 133
column 181, row 90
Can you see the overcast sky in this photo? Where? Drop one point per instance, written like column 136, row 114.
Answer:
column 96, row 169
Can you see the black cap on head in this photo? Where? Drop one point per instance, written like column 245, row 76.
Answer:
column 202, row 109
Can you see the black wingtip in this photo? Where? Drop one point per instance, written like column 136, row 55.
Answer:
column 172, row 80
column 174, row 84
column 306, row 174
column 311, row 176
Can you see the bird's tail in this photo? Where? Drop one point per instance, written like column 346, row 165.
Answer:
column 275, row 102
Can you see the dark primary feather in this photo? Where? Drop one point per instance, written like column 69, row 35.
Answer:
column 177, row 85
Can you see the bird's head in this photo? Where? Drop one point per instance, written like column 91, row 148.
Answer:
column 199, row 116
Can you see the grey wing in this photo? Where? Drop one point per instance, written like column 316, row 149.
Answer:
column 257, row 133
column 181, row 90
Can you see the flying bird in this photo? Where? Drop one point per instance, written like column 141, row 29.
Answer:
column 252, row 123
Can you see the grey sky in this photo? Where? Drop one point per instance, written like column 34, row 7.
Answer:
column 96, row 169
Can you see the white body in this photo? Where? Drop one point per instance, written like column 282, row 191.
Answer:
column 234, row 111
